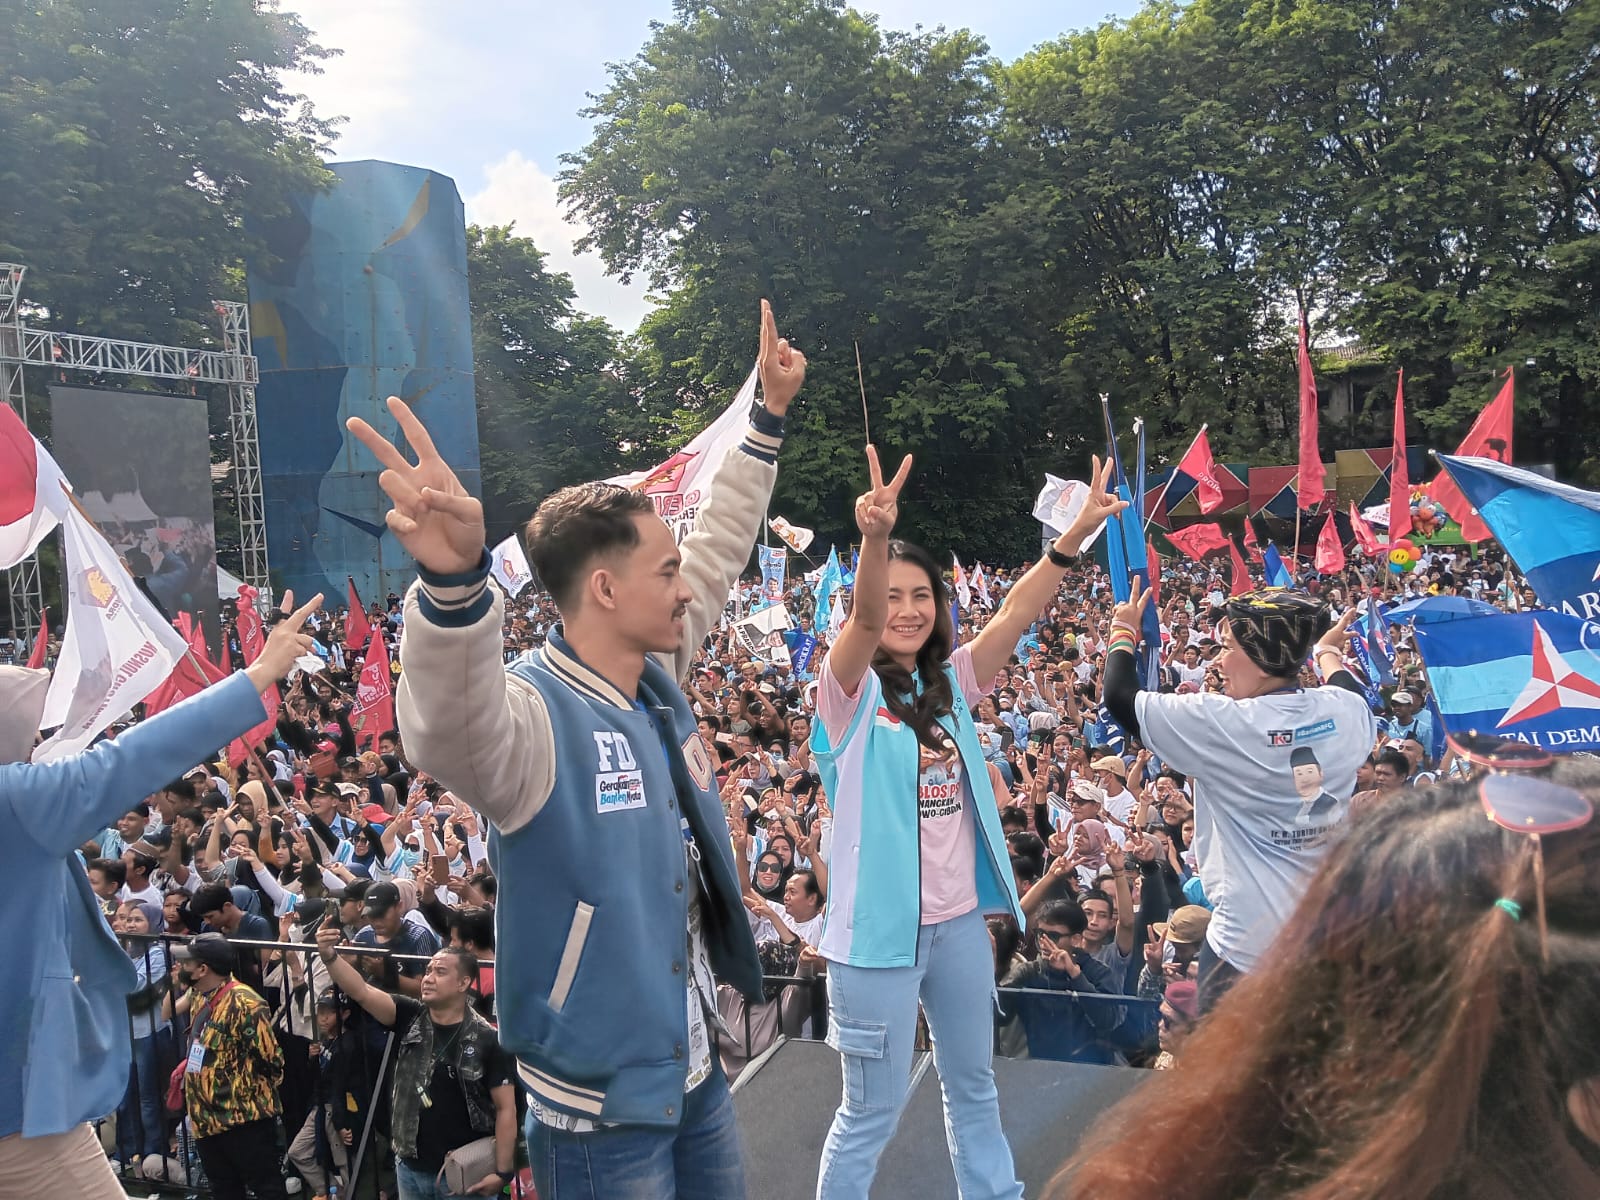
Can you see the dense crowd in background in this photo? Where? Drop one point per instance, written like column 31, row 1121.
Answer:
column 329, row 828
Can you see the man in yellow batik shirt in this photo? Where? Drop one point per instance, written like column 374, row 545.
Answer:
column 231, row 1074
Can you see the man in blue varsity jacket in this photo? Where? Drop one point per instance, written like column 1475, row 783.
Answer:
column 64, row 1048
column 619, row 900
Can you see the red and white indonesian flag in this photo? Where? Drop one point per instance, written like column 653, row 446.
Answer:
column 117, row 649
column 32, row 495
column 679, row 485
column 508, row 563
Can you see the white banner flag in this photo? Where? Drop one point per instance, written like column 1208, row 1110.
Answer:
column 117, row 649
column 762, row 634
column 678, row 486
column 508, row 563
column 794, row 537
column 1059, row 502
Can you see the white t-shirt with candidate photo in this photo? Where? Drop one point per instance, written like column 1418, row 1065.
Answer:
column 1273, row 776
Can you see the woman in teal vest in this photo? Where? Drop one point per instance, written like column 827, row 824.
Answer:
column 918, row 855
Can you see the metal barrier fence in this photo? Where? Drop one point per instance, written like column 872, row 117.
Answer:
column 1064, row 1025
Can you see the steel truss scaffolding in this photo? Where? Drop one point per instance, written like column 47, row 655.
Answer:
column 233, row 366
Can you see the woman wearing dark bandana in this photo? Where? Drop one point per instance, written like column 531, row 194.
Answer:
column 1261, row 820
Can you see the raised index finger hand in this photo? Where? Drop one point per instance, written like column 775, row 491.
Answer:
column 298, row 618
column 416, row 433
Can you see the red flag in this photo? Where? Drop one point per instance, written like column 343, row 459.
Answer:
column 1239, row 580
column 1313, row 479
column 357, row 632
column 1330, row 550
column 1489, row 437
column 1199, row 466
column 1154, row 561
column 1399, row 483
column 41, row 641
column 1365, row 538
column 1251, row 546
column 374, row 707
column 1197, row 541
column 252, row 637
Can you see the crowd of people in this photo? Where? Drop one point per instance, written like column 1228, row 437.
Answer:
column 1103, row 843
column 320, row 840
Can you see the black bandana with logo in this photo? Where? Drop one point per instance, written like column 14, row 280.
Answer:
column 1276, row 628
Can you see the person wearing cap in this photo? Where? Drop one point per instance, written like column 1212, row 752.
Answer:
column 231, row 1073
column 388, row 928
column 1410, row 720
column 319, row 1151
column 1172, row 948
column 64, row 1041
column 1245, row 752
column 1111, row 773
column 139, row 862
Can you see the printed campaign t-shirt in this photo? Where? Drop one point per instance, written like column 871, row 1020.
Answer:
column 948, row 833
column 1273, row 776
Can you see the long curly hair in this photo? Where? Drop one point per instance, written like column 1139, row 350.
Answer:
column 921, row 710
column 1404, row 1037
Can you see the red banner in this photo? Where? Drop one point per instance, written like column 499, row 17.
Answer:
column 1489, row 437
column 1313, row 479
column 1197, row 541
column 1330, row 550
column 357, row 632
column 374, row 707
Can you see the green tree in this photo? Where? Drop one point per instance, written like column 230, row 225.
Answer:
column 135, row 141
column 551, row 383
column 791, row 149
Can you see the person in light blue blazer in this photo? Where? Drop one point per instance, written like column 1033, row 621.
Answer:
column 64, row 1040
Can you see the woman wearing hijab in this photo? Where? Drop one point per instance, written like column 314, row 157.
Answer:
column 1273, row 763
column 140, row 1128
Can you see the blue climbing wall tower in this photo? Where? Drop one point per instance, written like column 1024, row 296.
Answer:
column 364, row 296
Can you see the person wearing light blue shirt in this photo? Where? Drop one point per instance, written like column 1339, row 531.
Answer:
column 66, row 1049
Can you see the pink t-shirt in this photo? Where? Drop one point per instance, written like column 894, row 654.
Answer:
column 948, row 835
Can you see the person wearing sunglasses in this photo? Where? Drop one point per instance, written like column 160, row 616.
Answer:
column 1273, row 762
column 1425, row 1026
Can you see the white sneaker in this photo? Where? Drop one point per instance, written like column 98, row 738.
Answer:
column 292, row 1184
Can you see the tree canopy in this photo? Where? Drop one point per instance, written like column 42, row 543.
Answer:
column 1138, row 209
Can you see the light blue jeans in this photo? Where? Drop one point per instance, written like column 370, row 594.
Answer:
column 872, row 1022
column 414, row 1185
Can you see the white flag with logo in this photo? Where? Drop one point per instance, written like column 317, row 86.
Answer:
column 1059, row 502
column 794, row 537
column 117, row 649
column 508, row 563
column 679, row 485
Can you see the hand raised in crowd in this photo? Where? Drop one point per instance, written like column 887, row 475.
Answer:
column 1155, row 949
column 434, row 518
column 1116, row 857
column 284, row 644
column 878, row 507
column 1131, row 611
column 1099, row 506
column 781, row 367
column 1058, row 957
column 1337, row 639
column 329, row 936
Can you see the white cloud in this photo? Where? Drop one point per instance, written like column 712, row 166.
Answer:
column 385, row 51
column 517, row 190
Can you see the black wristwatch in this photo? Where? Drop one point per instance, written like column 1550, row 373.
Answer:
column 1056, row 557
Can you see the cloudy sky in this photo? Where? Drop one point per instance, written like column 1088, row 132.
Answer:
column 488, row 92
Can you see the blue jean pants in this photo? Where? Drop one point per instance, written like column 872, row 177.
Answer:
column 699, row 1160
column 140, row 1120
column 415, row 1185
column 872, row 1022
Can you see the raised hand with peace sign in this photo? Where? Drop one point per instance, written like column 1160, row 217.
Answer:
column 433, row 517
column 879, row 506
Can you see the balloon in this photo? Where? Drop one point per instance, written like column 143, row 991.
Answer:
column 1399, row 568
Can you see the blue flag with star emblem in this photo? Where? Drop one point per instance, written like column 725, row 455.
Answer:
column 1532, row 676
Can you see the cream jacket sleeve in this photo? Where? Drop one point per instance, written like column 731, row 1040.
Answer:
column 485, row 733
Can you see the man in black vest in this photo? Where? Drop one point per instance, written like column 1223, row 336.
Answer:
column 453, row 1084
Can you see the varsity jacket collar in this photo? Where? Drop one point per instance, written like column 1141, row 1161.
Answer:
column 563, row 663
